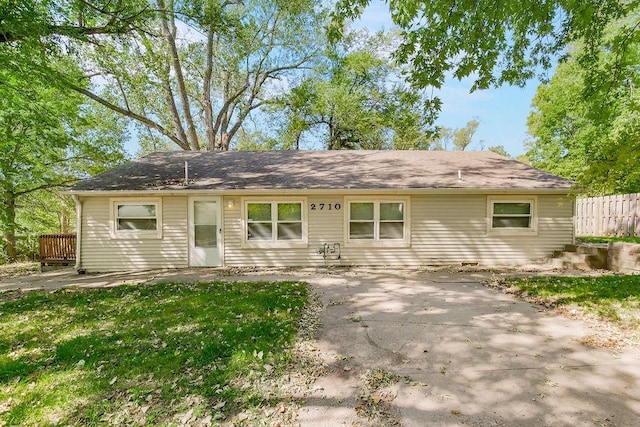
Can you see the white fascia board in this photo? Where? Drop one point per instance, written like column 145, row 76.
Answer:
column 302, row 191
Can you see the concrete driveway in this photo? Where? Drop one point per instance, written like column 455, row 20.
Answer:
column 416, row 348
column 462, row 354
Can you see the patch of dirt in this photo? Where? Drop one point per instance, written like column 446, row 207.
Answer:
column 8, row 271
column 379, row 389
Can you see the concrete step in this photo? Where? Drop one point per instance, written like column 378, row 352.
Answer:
column 560, row 264
column 587, row 249
column 578, row 261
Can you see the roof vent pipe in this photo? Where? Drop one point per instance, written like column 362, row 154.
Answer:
column 186, row 173
column 459, row 175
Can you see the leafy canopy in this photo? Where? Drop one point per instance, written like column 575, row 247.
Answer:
column 199, row 70
column 48, row 139
column 591, row 132
column 352, row 102
column 493, row 42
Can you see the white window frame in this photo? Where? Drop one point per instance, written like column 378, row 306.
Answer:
column 533, row 223
column 135, row 234
column 273, row 243
column 405, row 242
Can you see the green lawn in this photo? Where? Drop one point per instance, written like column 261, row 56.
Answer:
column 138, row 355
column 615, row 298
column 590, row 239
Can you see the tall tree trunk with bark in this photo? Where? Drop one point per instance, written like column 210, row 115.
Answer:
column 9, row 234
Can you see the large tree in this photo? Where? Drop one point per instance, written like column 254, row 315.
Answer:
column 591, row 133
column 350, row 102
column 508, row 41
column 197, row 71
column 190, row 72
column 48, row 139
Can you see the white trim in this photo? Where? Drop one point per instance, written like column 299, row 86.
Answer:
column 405, row 242
column 78, row 204
column 264, row 192
column 302, row 243
column 135, row 234
column 532, row 230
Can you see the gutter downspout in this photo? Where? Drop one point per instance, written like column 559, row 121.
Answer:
column 78, row 203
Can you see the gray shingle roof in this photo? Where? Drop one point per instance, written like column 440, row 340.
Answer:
column 331, row 170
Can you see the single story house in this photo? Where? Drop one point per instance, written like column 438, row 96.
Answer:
column 315, row 208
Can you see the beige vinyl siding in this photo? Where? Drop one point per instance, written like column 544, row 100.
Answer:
column 450, row 229
column 102, row 252
column 324, row 226
column 445, row 229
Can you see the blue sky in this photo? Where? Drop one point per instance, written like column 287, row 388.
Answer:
column 502, row 112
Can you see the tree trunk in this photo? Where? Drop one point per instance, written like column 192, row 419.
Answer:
column 10, row 230
column 167, row 19
column 224, row 141
column 332, row 136
column 64, row 220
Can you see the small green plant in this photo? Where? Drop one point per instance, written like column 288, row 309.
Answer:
column 137, row 355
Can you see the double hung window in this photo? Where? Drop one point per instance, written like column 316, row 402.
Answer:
column 277, row 221
column 511, row 215
column 137, row 218
column 382, row 222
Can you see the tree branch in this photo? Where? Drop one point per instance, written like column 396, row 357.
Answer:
column 46, row 186
column 142, row 119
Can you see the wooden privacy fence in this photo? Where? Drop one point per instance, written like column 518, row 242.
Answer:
column 57, row 249
column 608, row 215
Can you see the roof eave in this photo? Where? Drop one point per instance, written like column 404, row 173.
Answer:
column 303, row 191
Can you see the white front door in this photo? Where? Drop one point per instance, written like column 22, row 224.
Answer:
column 205, row 232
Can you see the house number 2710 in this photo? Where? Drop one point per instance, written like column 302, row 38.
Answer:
column 325, row 206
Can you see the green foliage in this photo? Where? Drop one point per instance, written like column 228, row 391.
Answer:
column 462, row 137
column 499, row 149
column 47, row 21
column 48, row 139
column 188, row 73
column 614, row 298
column 140, row 355
column 197, row 72
column 607, row 239
column 591, row 132
column 495, row 43
column 32, row 33
column 349, row 103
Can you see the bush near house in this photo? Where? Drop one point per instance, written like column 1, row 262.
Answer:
column 137, row 355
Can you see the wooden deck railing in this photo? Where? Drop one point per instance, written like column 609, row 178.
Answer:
column 57, row 249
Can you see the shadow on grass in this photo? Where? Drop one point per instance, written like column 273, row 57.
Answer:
column 614, row 297
column 142, row 354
